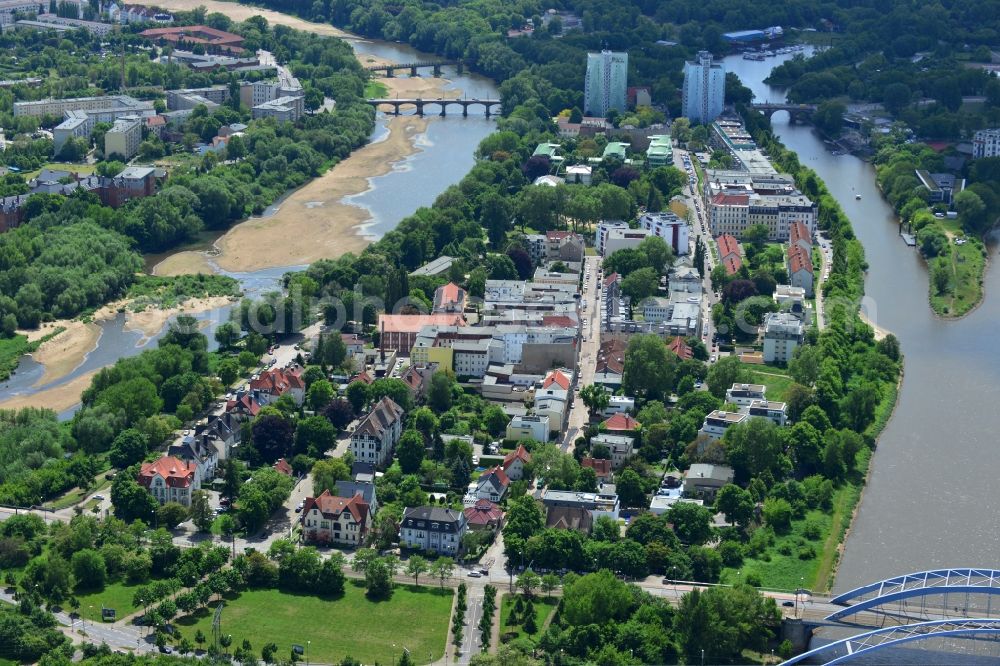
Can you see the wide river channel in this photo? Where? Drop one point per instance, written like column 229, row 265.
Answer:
column 931, row 501
column 444, row 155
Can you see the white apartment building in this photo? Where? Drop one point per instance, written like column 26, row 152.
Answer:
column 124, row 137
column 986, row 143
column 704, row 92
column 775, row 411
column 718, row 422
column 783, row 332
column 670, row 228
column 606, row 83
column 744, row 394
column 101, row 109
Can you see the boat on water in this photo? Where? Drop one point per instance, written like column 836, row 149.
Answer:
column 857, row 197
column 753, row 56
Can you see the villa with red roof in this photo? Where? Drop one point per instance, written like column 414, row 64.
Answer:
column 623, row 423
column 449, row 298
column 557, row 377
column 283, row 467
column 492, row 485
column 680, row 348
column 800, row 269
column 274, row 383
column 514, row 462
column 170, row 480
column 729, row 253
column 601, row 467
column 483, row 515
column 330, row 519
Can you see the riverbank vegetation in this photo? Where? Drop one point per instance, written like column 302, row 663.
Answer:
column 950, row 238
column 155, row 291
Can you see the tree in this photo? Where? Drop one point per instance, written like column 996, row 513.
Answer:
column 972, row 211
column 895, row 96
column 439, row 396
column 272, row 436
column 358, row 395
column 778, row 514
column 171, row 514
column 227, row 334
column 320, row 394
column 89, row 569
column 442, row 569
column 829, row 117
column 128, row 448
column 528, row 582
column 755, row 447
column 410, row 451
column 314, row 436
column 640, row 284
column 201, row 511
column 692, row 523
column 595, row 397
column 648, row 367
column 130, row 500
column 229, row 370
column 629, row 488
column 723, row 374
column 550, row 582
column 736, row 503
column 326, row 472
column 416, row 566
column 495, row 215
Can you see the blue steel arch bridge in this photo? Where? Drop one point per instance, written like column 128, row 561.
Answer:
column 939, row 603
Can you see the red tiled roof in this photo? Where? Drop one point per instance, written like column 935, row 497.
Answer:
column 404, row 323
column 602, row 468
column 331, row 506
column 176, row 473
column 283, row 467
column 728, row 245
column 621, row 422
column 799, row 259
column 558, row 235
column 201, row 34
column 732, row 264
column 723, row 199
column 800, row 231
column 611, row 357
column 155, row 120
column 277, row 381
column 363, row 377
column 483, row 512
column 611, row 279
column 498, row 473
column 556, row 377
column 246, row 402
column 558, row 320
column 520, row 453
column 680, row 348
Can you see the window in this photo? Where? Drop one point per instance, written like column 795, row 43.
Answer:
column 325, row 524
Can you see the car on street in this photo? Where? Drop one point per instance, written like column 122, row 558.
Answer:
column 475, row 574
column 99, row 498
column 713, row 358
column 166, row 649
column 787, row 604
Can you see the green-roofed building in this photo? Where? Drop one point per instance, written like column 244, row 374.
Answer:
column 615, row 149
column 660, row 152
column 549, row 150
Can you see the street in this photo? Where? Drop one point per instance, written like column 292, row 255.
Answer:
column 590, row 343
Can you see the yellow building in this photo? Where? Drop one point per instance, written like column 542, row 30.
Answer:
column 424, row 354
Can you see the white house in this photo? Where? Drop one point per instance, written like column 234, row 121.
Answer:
column 170, row 480
column 620, row 447
column 432, row 529
column 783, row 332
column 744, row 394
column 718, row 421
column 531, row 426
column 376, row 436
column 514, row 462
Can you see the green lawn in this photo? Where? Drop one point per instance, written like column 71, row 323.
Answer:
column 964, row 265
column 543, row 608
column 376, row 90
column 371, row 632
column 116, row 595
column 11, row 350
column 80, row 169
column 775, row 379
column 77, row 495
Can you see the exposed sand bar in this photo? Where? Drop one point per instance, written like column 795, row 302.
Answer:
column 238, row 12
column 66, row 351
column 58, row 398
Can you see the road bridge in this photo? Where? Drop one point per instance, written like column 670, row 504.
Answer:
column 796, row 112
column 390, row 69
column 397, row 103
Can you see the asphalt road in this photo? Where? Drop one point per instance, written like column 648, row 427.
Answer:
column 590, row 343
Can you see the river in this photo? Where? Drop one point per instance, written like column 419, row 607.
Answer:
column 929, row 502
column 444, row 156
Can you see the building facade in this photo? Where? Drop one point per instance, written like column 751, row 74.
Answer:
column 704, row 92
column 670, row 228
column 606, row 83
column 986, row 143
column 330, row 519
column 783, row 332
column 170, row 480
column 123, row 138
column 433, row 529
column 376, row 436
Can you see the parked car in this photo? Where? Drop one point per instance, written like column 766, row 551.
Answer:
column 475, row 574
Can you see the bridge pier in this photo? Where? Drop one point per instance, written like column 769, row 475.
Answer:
column 413, row 71
column 420, row 110
column 487, row 110
column 443, row 110
column 389, row 72
column 437, row 71
column 465, row 110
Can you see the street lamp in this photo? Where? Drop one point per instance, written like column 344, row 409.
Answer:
column 308, row 643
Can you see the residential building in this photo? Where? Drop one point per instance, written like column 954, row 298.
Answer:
column 576, row 518
column 579, row 174
column 283, row 466
column 283, row 109
column 330, row 519
column 610, row 363
column 9, row 7
column 601, row 467
column 606, row 83
column 188, row 98
column 214, row 41
column 492, row 485
column 104, row 108
column 941, row 187
column 602, row 503
column 744, row 394
column 730, row 255
column 656, row 309
column 670, row 228
column 435, row 267
column 433, row 529
column 483, row 515
column 274, row 383
column 170, row 480
column 660, row 151
column 800, row 236
column 775, row 411
column 800, row 269
column 364, row 489
column 621, row 239
column 123, row 138
column 61, row 23
column 418, row 379
column 790, row 299
column 704, row 92
column 201, row 449
column 986, row 143
column 375, row 437
column 680, row 349
column 620, row 447
column 549, row 181
column 549, row 150
column 783, row 332
column 616, row 150
column 705, row 480
column 449, row 298
column 638, row 96
column 514, row 462
column 530, row 426
column 260, row 92
column 735, row 213
column 619, row 404
column 604, row 227
column 717, row 422
column 621, row 423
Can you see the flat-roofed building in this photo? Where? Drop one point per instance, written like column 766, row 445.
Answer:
column 718, row 421
column 123, row 138
column 783, row 333
column 744, row 394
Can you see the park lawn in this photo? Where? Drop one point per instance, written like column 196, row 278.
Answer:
column 79, row 169
column 965, row 265
column 117, row 595
column 544, row 607
column 77, row 495
column 775, row 379
column 789, row 572
column 352, row 625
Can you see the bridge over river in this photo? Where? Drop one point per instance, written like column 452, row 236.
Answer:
column 418, row 103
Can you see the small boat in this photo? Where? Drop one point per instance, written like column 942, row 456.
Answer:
column 857, row 196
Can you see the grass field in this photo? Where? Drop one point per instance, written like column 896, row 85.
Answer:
column 376, row 90
column 964, row 265
column 77, row 495
column 79, row 169
column 116, row 595
column 543, row 608
column 371, row 632
column 776, row 380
